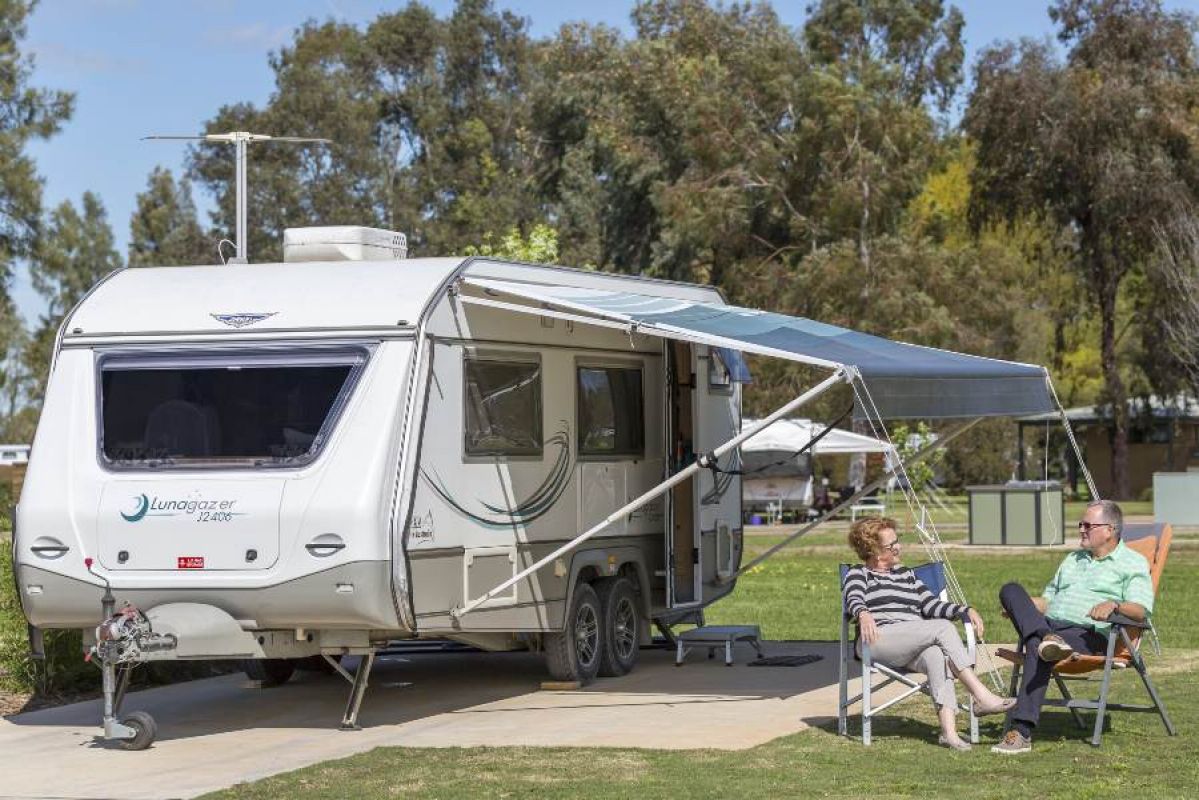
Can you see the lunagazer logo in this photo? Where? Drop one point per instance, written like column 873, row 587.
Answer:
column 198, row 509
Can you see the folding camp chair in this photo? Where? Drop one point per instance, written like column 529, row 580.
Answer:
column 1152, row 540
column 933, row 576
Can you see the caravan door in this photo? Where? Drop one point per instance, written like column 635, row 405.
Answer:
column 684, row 576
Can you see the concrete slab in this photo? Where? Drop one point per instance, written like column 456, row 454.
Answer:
column 217, row 732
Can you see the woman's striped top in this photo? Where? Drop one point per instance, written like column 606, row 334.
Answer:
column 894, row 596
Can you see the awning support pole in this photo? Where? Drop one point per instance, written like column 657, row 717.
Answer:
column 841, row 375
column 923, row 453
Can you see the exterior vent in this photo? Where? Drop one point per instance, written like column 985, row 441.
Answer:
column 343, row 243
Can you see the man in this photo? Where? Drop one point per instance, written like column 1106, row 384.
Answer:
column 1104, row 577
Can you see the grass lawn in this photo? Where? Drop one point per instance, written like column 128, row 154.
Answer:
column 794, row 596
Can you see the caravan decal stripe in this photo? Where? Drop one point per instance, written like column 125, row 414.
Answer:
column 537, row 505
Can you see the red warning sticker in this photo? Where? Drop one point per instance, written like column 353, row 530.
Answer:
column 191, row 562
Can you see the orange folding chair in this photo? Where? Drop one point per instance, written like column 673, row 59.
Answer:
column 1152, row 540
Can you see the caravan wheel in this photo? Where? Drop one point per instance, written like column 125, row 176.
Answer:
column 269, row 672
column 574, row 653
column 621, row 627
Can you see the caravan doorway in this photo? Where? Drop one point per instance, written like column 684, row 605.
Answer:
column 683, row 542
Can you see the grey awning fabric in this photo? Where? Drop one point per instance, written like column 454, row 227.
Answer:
column 902, row 380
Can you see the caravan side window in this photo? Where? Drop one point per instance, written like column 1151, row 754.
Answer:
column 720, row 377
column 503, row 406
column 611, row 412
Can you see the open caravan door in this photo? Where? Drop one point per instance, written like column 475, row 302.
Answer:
column 890, row 380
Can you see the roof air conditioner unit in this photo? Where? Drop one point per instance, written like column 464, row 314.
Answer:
column 343, row 243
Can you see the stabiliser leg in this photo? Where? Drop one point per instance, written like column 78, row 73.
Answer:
column 350, row 721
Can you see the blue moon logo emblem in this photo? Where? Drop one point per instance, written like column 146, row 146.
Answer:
column 143, row 505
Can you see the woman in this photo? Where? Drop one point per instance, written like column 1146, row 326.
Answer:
column 906, row 626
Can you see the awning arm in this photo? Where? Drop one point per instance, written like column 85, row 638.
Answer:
column 920, row 455
column 841, row 375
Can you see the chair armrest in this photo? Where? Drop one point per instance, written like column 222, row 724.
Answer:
column 1127, row 622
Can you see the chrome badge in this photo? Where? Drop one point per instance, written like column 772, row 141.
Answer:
column 241, row 320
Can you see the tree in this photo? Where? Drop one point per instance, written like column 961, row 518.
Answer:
column 74, row 252
column 539, row 247
column 26, row 114
column 428, row 119
column 1101, row 146
column 164, row 231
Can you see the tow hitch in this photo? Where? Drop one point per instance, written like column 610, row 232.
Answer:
column 121, row 640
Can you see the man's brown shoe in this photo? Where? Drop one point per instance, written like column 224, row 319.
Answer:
column 1013, row 742
column 1054, row 648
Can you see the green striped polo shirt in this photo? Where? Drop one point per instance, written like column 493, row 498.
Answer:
column 1082, row 582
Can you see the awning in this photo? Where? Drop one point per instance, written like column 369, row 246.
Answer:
column 896, row 380
column 790, row 435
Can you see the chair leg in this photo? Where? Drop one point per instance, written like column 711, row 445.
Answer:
column 973, row 723
column 1097, row 736
column 1013, row 687
column 867, row 679
column 1139, row 664
column 1065, row 690
column 843, row 681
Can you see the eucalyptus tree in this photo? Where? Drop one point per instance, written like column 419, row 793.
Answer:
column 1101, row 144
column 428, row 122
column 164, row 230
column 26, row 114
column 75, row 250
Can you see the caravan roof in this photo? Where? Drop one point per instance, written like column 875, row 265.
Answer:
column 333, row 295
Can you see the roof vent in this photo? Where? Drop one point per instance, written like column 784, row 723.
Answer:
column 343, row 243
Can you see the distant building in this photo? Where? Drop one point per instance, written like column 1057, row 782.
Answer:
column 1163, row 436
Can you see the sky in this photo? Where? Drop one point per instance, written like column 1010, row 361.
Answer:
column 140, row 67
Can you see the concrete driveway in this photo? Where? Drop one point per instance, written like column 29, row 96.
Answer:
column 217, row 732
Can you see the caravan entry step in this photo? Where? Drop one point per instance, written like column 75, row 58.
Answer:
column 713, row 637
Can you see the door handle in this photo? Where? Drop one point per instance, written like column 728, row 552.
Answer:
column 324, row 548
column 50, row 550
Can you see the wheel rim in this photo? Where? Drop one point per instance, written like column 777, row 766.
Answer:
column 586, row 634
column 625, row 633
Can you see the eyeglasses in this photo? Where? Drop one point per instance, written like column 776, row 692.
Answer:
column 893, row 546
column 1086, row 527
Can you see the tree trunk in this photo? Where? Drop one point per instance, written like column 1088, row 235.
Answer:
column 1115, row 387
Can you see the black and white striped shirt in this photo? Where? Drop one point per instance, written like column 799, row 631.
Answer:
column 893, row 596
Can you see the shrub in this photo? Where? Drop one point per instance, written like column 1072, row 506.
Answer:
column 63, row 669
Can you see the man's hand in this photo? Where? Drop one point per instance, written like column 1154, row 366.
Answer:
column 867, row 627
column 976, row 621
column 1103, row 610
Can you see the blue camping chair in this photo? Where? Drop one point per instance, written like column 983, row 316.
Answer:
column 933, row 576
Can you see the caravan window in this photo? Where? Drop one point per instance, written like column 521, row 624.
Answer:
column 503, row 406
column 610, row 411
column 257, row 409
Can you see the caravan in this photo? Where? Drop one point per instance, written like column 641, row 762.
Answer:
column 278, row 461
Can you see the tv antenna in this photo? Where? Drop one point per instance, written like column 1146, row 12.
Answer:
column 240, row 141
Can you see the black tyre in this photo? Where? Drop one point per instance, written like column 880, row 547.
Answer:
column 620, row 627
column 574, row 653
column 146, row 730
column 269, row 672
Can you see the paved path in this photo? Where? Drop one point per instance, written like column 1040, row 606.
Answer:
column 217, row 732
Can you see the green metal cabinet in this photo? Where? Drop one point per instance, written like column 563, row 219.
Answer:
column 1017, row 513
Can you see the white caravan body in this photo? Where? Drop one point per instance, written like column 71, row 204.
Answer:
column 364, row 453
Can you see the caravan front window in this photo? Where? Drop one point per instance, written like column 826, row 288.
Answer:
column 250, row 408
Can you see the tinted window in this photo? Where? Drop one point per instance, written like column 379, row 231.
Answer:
column 503, row 408
column 190, row 411
column 610, row 411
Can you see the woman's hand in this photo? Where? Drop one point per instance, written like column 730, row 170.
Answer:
column 868, row 629
column 976, row 621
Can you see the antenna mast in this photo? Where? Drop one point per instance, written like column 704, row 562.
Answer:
column 240, row 141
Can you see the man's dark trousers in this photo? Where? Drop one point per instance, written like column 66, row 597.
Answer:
column 1033, row 626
